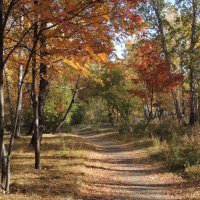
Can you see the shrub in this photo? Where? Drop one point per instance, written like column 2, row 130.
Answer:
column 179, row 155
column 77, row 115
column 193, row 171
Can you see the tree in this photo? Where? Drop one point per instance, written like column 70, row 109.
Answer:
column 153, row 71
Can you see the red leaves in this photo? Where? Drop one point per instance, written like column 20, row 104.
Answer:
column 152, row 69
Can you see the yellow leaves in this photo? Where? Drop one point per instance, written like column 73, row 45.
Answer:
column 103, row 57
column 98, row 57
column 73, row 63
column 78, row 66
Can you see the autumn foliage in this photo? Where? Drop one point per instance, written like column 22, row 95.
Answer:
column 152, row 70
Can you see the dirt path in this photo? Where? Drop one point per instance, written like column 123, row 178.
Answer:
column 113, row 172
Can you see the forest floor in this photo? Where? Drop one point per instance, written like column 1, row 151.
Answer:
column 87, row 165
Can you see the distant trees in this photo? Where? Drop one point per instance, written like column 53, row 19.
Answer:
column 173, row 30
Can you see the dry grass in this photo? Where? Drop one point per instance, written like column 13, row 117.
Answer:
column 60, row 176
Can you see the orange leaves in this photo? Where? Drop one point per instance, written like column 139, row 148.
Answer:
column 78, row 33
column 103, row 57
column 81, row 66
column 106, row 17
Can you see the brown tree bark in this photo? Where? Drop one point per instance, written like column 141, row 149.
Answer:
column 35, row 96
column 9, row 97
column 43, row 85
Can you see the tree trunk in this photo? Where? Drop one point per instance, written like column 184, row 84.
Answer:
column 193, row 114
column 5, row 175
column 43, row 89
column 20, row 79
column 31, row 130
column 35, row 100
column 36, row 116
column 9, row 97
column 2, row 148
column 193, row 117
column 43, row 86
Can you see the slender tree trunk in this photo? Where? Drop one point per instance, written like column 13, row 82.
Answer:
column 31, row 130
column 43, row 85
column 9, row 97
column 151, row 106
column 59, row 125
column 110, row 115
column 2, row 147
column 193, row 114
column 183, row 105
column 5, row 176
column 193, row 117
column 35, row 98
column 43, row 88
column 20, row 79
column 36, row 118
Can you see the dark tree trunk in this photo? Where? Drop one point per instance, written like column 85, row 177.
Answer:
column 35, row 100
column 9, row 97
column 43, row 85
column 193, row 117
column 193, row 113
column 43, row 89
column 31, row 130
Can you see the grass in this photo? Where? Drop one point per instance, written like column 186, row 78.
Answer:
column 61, row 173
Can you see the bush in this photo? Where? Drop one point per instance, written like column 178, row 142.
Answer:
column 178, row 155
column 124, row 128
column 193, row 172
column 77, row 115
column 179, row 148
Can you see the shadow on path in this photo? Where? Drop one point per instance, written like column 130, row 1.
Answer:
column 114, row 172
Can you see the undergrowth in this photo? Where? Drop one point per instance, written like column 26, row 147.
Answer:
column 178, row 148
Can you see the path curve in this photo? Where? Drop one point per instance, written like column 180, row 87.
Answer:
column 116, row 173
